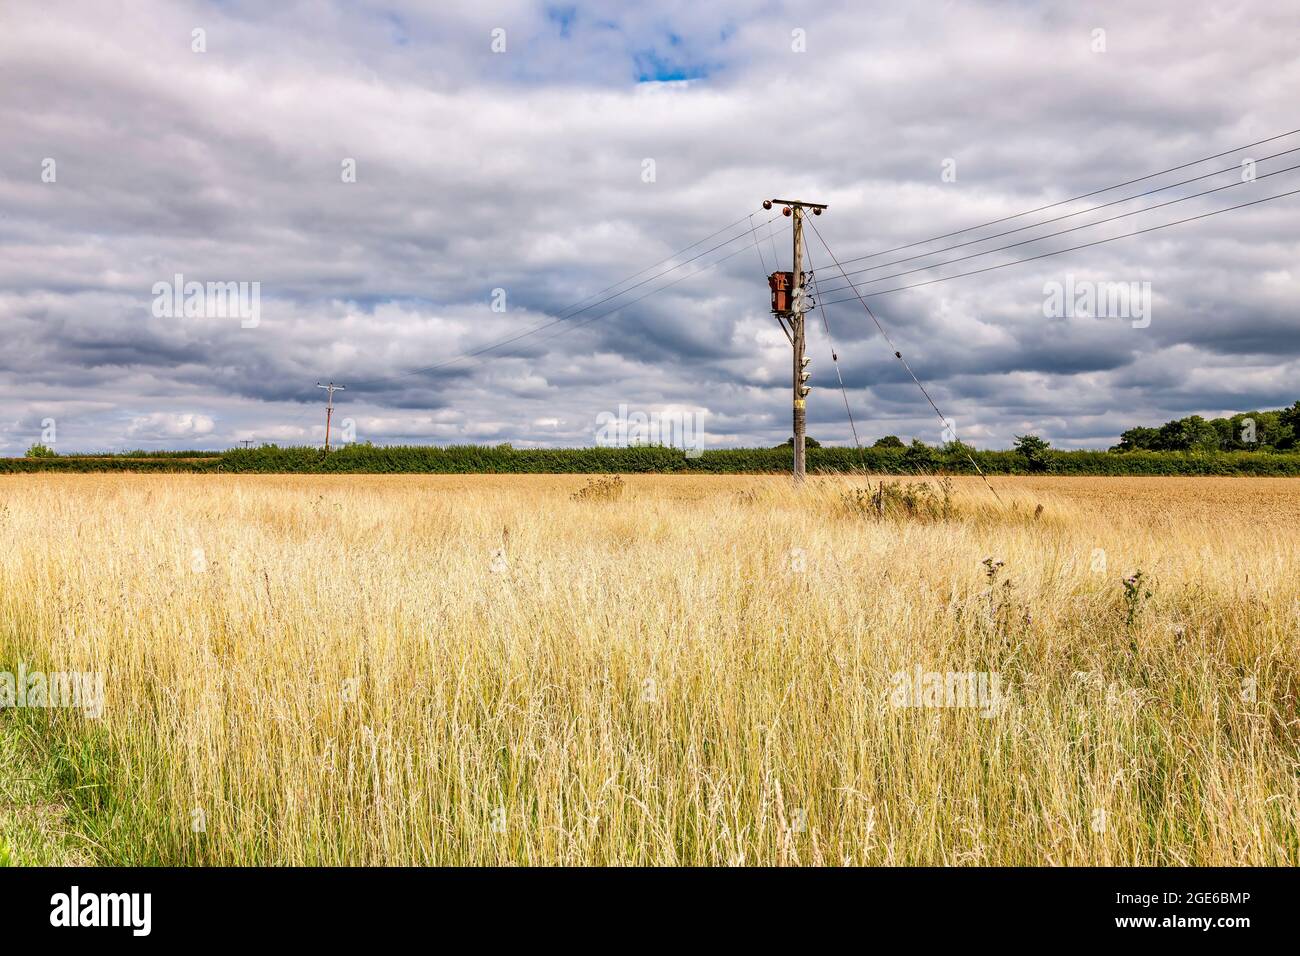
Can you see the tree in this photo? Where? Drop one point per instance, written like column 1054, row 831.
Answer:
column 40, row 451
column 1245, row 431
column 1251, row 431
column 1036, row 452
column 808, row 442
column 1227, row 430
column 920, row 456
column 1192, row 433
column 1137, row 439
column 1288, row 420
column 889, row 441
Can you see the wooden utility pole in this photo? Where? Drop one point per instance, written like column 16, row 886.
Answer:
column 796, row 331
column 329, row 409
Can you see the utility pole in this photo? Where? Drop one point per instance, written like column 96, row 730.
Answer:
column 246, row 442
column 791, row 308
column 329, row 409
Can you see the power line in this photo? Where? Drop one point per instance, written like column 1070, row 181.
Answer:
column 771, row 237
column 578, row 307
column 565, row 316
column 1057, row 252
column 758, row 248
column 573, row 326
column 1062, row 232
column 477, row 355
column 685, row 262
column 1062, row 202
column 899, row 355
column 1069, row 215
column 668, row 258
column 835, row 358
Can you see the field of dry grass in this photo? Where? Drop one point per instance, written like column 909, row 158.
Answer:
column 674, row 670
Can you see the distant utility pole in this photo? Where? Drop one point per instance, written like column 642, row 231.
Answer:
column 329, row 409
column 246, row 442
column 788, row 304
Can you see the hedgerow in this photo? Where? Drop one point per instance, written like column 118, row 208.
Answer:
column 503, row 459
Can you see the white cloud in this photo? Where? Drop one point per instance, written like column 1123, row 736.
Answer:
column 522, row 171
column 161, row 426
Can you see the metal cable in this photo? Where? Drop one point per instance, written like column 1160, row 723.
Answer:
column 899, row 355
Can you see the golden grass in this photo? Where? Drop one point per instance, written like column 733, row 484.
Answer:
column 486, row 669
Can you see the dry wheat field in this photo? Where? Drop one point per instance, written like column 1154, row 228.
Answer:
column 661, row 669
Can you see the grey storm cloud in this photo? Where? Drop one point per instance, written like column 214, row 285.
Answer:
column 519, row 177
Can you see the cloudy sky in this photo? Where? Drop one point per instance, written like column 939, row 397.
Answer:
column 513, row 159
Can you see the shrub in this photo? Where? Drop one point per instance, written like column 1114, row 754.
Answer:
column 484, row 459
column 608, row 488
column 920, row 456
column 897, row 499
column 1035, row 451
